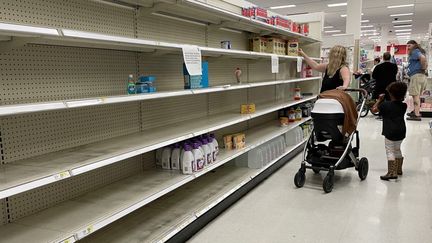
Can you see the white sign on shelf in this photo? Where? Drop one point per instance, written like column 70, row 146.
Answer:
column 299, row 64
column 192, row 59
column 275, row 64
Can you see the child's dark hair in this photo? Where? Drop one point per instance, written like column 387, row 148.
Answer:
column 397, row 90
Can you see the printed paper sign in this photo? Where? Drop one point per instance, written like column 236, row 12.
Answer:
column 192, row 59
column 275, row 64
column 299, row 64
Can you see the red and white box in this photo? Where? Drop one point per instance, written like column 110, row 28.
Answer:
column 281, row 22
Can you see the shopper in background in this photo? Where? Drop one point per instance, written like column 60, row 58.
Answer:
column 384, row 74
column 376, row 62
column 417, row 67
column 394, row 129
column 336, row 72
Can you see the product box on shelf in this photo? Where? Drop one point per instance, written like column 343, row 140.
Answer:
column 145, row 84
column 282, row 22
column 239, row 140
column 292, row 47
column 259, row 14
column 304, row 29
column 247, row 109
column 259, row 44
column 276, row 46
column 295, row 27
column 196, row 81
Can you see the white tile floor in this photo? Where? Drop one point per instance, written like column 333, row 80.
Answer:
column 356, row 211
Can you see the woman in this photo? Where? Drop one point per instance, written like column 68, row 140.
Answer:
column 417, row 72
column 337, row 74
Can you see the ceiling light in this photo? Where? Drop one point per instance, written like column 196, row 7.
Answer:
column 366, row 26
column 401, row 6
column 404, row 33
column 344, row 15
column 403, row 26
column 365, row 21
column 372, row 34
column 402, row 14
column 328, row 27
column 368, row 31
column 404, row 30
column 28, row 29
column 332, row 31
column 336, row 5
column 339, row 34
column 402, row 21
column 283, row 6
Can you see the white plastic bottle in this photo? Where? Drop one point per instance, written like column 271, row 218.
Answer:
column 208, row 157
column 188, row 160
column 216, row 147
column 166, row 158
column 198, row 156
column 175, row 157
column 212, row 148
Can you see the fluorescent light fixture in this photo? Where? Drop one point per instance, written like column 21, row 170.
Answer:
column 403, row 36
column 373, row 34
column 365, row 21
column 401, row 6
column 402, row 21
column 283, row 6
column 344, row 15
column 402, row 14
column 332, row 31
column 404, row 30
column 332, row 5
column 403, row 26
column 339, row 34
column 404, row 33
column 366, row 26
column 364, row 31
column 328, row 27
column 27, row 29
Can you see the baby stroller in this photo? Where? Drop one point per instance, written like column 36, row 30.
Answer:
column 328, row 117
column 369, row 85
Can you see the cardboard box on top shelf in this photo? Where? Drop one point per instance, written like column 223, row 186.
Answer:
column 259, row 44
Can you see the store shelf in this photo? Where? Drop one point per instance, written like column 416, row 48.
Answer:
column 159, row 221
column 203, row 11
column 6, row 110
column 27, row 174
column 82, row 216
column 66, row 37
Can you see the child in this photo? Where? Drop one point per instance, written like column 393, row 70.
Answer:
column 394, row 129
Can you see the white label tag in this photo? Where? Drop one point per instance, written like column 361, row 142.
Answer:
column 88, row 230
column 68, row 240
column 275, row 64
column 299, row 64
column 192, row 59
column 62, row 175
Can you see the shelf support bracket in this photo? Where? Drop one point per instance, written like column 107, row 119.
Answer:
column 15, row 42
column 145, row 11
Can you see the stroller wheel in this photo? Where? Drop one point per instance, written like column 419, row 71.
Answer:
column 299, row 179
column 328, row 183
column 365, row 110
column 363, row 168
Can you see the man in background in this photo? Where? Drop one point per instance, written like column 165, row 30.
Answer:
column 384, row 74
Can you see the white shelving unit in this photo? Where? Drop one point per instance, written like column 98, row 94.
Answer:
column 82, row 216
column 77, row 155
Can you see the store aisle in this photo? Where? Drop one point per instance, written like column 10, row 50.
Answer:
column 368, row 211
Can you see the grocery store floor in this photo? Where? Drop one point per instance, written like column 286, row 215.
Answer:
column 368, row 211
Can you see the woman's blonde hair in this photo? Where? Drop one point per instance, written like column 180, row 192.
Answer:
column 337, row 59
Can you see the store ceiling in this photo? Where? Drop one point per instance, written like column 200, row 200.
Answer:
column 374, row 10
